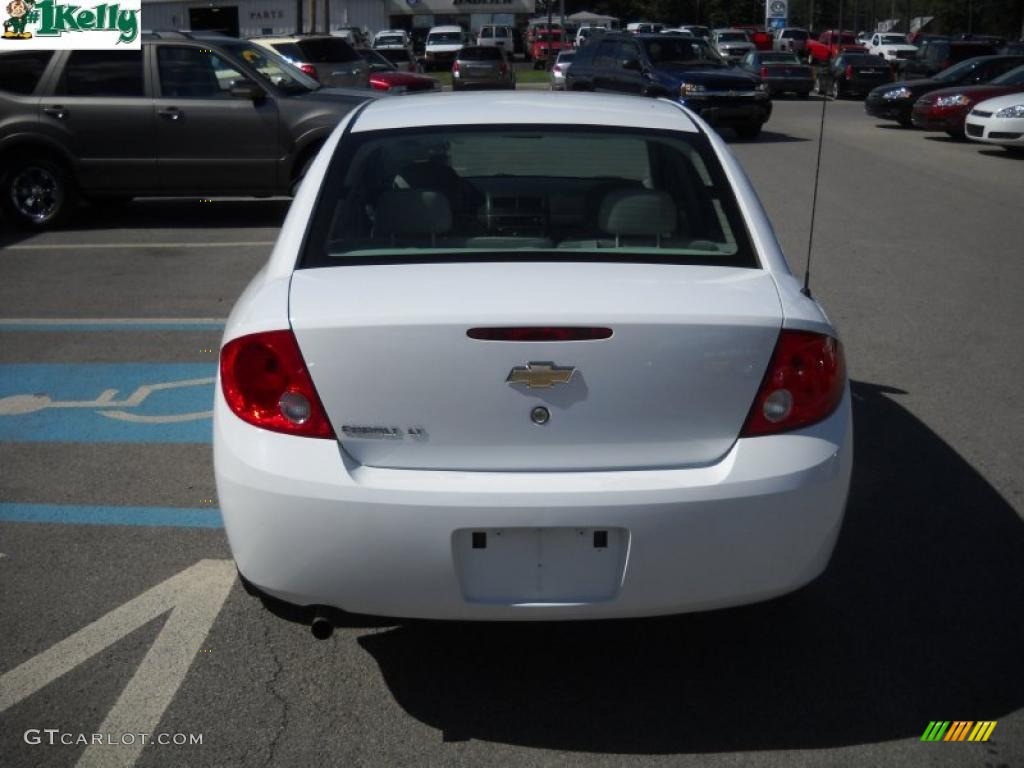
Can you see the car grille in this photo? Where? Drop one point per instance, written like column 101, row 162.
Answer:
column 981, row 113
column 974, row 130
column 1004, row 135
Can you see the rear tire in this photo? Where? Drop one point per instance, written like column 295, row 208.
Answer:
column 37, row 193
column 837, row 90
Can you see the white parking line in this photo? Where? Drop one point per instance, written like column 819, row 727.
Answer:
column 97, row 246
column 194, row 597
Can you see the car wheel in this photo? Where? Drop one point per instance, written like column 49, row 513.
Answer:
column 37, row 193
column 905, row 122
column 748, row 131
column 819, row 87
column 837, row 91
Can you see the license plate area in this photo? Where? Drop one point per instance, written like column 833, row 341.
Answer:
column 513, row 566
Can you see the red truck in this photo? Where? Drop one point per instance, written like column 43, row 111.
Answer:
column 830, row 44
column 545, row 43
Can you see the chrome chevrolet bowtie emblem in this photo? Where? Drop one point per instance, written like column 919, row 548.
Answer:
column 540, row 375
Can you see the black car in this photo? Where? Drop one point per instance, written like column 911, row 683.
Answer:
column 853, row 74
column 781, row 71
column 895, row 101
column 185, row 115
column 684, row 68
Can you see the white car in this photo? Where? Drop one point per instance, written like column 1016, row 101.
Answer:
column 998, row 121
column 525, row 357
column 558, row 69
column 732, row 44
column 497, row 36
column 390, row 39
column 441, row 46
column 891, row 46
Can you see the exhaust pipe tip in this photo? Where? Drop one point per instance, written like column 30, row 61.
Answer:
column 321, row 626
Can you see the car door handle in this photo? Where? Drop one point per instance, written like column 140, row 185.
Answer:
column 172, row 113
column 59, row 112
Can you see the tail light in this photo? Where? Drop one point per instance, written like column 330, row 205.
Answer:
column 849, row 73
column 804, row 384
column 764, row 71
column 266, row 383
column 455, row 67
column 310, row 70
column 503, row 69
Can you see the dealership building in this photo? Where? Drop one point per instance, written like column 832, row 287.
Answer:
column 285, row 17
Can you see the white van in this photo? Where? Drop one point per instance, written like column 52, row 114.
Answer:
column 442, row 45
column 496, row 36
column 644, row 28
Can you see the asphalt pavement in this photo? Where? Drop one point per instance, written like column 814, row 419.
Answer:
column 120, row 613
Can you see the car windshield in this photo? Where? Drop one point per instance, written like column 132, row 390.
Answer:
column 1013, row 77
column 531, row 192
column 681, row 50
column 892, row 40
column 549, row 36
column 480, row 54
column 376, row 59
column 390, row 40
column 444, row 38
column 733, row 37
column 863, row 60
column 324, row 50
column 272, row 68
column 957, row 71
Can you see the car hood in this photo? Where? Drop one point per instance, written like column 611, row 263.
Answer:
column 1001, row 102
column 917, row 87
column 724, row 77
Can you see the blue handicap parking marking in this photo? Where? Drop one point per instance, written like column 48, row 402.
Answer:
column 163, row 517
column 107, row 403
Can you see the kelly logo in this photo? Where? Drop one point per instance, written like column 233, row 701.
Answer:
column 51, row 24
column 958, row 730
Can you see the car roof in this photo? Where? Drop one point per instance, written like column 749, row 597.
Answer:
column 446, row 28
column 523, row 108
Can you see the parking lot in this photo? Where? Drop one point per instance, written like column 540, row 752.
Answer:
column 108, row 513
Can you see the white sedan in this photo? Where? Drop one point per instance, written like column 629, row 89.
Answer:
column 998, row 121
column 528, row 356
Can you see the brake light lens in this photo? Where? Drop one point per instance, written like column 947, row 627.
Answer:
column 849, row 73
column 455, row 67
column 310, row 70
column 764, row 71
column 539, row 333
column 804, row 384
column 266, row 383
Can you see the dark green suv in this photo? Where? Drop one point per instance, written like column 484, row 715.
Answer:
column 186, row 115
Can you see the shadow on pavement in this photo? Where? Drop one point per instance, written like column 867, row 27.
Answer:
column 770, row 137
column 1015, row 154
column 163, row 213
column 917, row 618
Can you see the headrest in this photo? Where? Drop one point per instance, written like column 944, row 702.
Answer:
column 407, row 212
column 650, row 212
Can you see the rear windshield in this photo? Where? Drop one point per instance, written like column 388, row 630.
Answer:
column 331, row 50
column 480, row 54
column 20, row 72
column 892, row 40
column 495, row 193
column 778, row 58
column 390, row 40
column 733, row 37
column 864, row 60
column 794, row 34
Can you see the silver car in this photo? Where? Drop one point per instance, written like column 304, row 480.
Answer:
column 732, row 44
column 329, row 59
column 558, row 69
column 478, row 66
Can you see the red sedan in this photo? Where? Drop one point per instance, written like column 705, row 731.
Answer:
column 946, row 109
column 385, row 76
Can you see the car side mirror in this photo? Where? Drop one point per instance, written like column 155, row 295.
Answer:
column 633, row 65
column 247, row 89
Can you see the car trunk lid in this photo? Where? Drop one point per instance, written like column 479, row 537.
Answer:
column 405, row 386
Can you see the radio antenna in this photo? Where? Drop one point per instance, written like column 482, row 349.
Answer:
column 806, row 290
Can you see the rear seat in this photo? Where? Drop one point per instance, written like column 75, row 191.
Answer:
column 641, row 217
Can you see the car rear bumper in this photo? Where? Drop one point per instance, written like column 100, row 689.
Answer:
column 309, row 526
column 791, row 84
